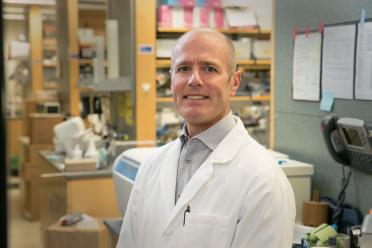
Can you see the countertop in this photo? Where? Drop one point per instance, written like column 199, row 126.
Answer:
column 57, row 161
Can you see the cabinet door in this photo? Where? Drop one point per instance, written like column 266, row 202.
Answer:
column 93, row 196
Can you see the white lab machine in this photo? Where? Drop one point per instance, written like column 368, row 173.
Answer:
column 126, row 166
column 125, row 170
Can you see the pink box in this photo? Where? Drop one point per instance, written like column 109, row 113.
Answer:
column 218, row 17
column 188, row 16
column 188, row 3
column 204, row 17
column 165, row 16
column 214, row 3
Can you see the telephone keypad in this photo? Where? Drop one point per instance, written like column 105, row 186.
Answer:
column 361, row 161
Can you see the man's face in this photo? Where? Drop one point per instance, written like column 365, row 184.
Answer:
column 201, row 84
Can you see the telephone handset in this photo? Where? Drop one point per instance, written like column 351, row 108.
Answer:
column 333, row 141
column 349, row 141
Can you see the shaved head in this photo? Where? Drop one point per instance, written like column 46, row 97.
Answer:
column 212, row 34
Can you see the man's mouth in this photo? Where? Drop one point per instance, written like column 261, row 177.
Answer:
column 195, row 97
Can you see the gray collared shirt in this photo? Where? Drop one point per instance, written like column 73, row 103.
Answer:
column 196, row 150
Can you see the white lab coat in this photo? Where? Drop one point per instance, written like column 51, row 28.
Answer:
column 239, row 197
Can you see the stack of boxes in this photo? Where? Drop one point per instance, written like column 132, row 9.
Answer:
column 191, row 14
column 179, row 14
column 39, row 130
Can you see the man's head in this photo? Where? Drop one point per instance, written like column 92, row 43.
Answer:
column 204, row 76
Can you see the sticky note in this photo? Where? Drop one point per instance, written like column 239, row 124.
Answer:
column 362, row 18
column 327, row 101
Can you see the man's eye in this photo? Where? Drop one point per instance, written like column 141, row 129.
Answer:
column 183, row 69
column 210, row 69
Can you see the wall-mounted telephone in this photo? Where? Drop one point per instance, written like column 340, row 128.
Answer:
column 349, row 141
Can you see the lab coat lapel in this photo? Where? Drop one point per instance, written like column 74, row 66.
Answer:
column 168, row 176
column 224, row 153
column 197, row 181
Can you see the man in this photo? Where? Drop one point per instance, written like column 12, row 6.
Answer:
column 214, row 186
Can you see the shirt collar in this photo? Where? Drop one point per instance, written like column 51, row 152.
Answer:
column 213, row 135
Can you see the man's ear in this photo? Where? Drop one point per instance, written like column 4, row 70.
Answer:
column 235, row 82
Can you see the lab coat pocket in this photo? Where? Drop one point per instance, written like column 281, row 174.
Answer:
column 206, row 230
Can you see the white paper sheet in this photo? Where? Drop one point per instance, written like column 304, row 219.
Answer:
column 306, row 67
column 240, row 17
column 363, row 70
column 338, row 60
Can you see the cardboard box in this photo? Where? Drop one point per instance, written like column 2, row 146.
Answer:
column 92, row 234
column 42, row 127
column 80, row 164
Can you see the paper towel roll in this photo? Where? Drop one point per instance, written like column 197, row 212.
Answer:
column 112, row 28
column 314, row 213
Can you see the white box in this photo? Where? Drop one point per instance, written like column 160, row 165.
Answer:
column 164, row 47
column 261, row 49
column 242, row 48
column 299, row 175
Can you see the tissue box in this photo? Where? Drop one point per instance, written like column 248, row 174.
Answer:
column 93, row 235
column 80, row 164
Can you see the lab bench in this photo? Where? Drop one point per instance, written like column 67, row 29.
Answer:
column 89, row 192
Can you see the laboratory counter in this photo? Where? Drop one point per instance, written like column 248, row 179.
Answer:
column 57, row 161
column 61, row 192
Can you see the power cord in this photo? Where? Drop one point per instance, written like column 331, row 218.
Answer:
column 341, row 196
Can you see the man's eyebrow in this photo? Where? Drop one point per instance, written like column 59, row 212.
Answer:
column 182, row 62
column 208, row 62
column 204, row 62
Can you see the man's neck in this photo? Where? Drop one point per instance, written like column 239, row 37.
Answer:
column 194, row 129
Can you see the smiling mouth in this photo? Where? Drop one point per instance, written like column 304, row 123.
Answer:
column 195, row 97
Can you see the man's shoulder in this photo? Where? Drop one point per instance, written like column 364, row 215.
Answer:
column 161, row 153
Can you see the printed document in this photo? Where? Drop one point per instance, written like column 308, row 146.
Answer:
column 306, row 67
column 338, row 60
column 363, row 70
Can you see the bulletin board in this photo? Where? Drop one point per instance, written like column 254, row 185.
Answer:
column 297, row 123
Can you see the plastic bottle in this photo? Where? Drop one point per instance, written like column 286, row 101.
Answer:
column 77, row 153
column 91, row 152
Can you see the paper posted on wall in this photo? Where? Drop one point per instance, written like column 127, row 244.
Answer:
column 306, row 67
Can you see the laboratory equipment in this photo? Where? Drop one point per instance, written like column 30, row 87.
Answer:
column 125, row 171
column 126, row 166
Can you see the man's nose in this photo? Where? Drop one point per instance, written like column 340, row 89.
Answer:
column 195, row 78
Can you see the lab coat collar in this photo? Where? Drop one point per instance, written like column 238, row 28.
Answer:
column 230, row 145
column 225, row 152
